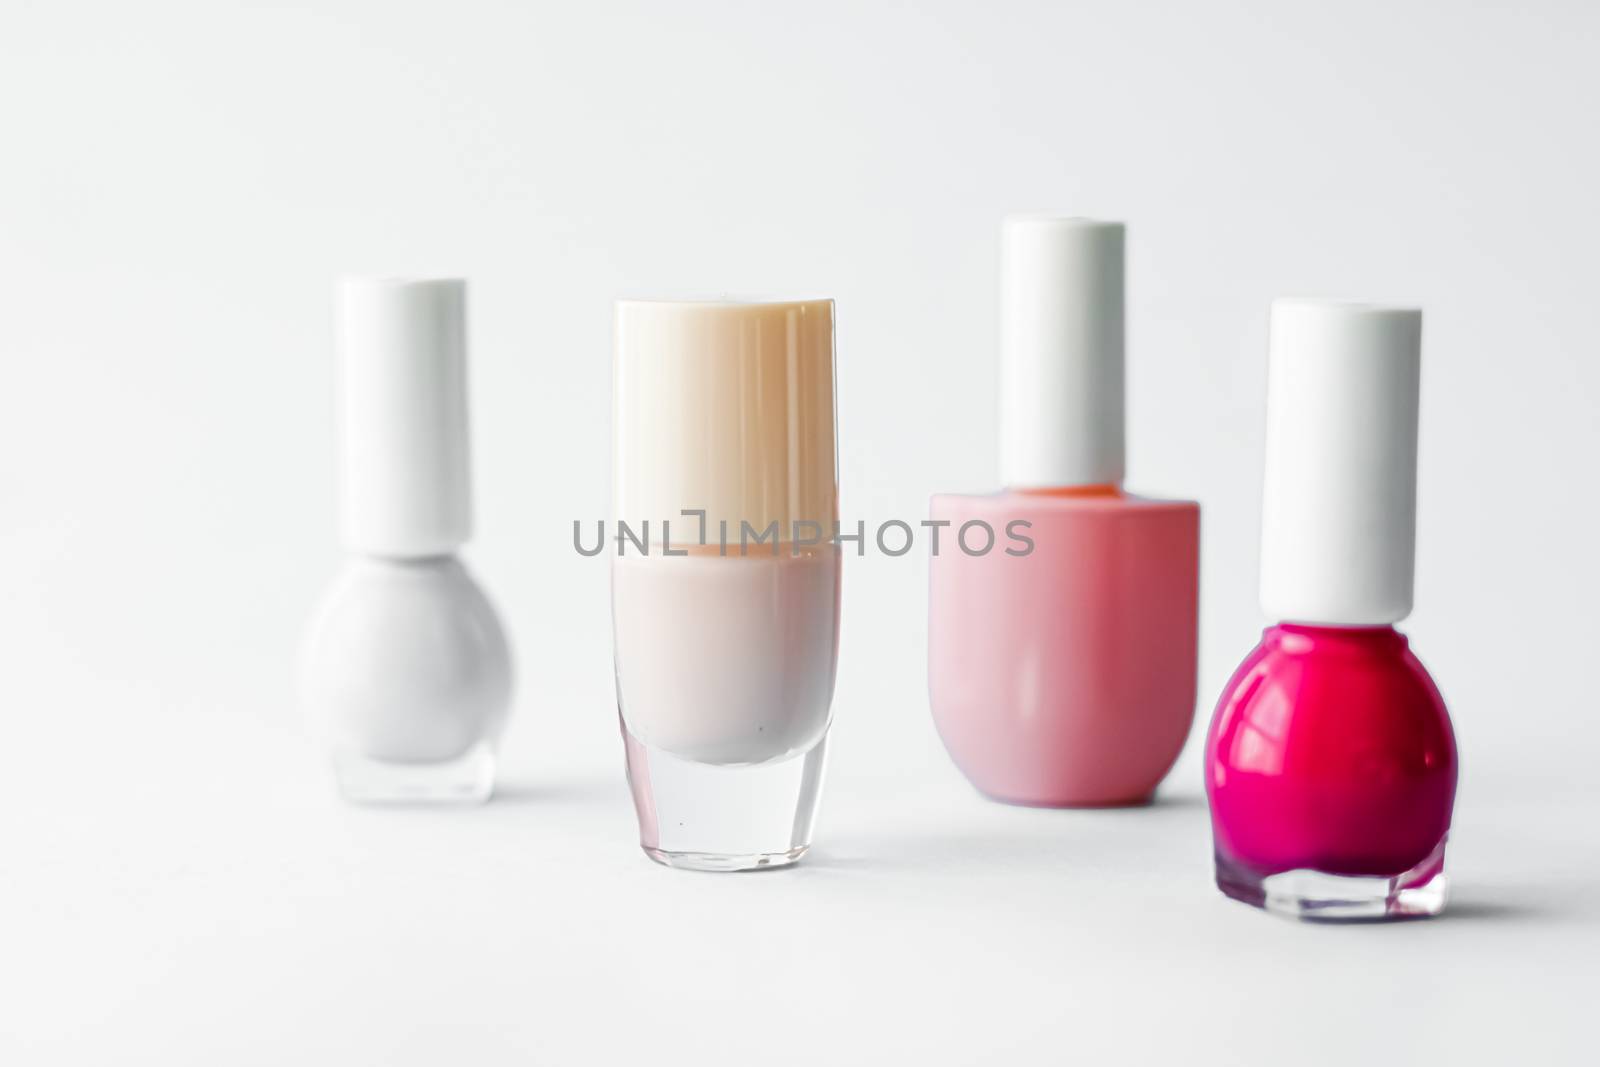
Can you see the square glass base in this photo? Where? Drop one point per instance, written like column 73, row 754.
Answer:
column 1319, row 896
column 706, row 817
column 467, row 779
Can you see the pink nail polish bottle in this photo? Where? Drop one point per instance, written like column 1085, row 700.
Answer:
column 1061, row 616
column 1331, row 763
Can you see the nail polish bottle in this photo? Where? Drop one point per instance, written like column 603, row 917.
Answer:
column 406, row 670
column 1062, row 609
column 1331, row 763
column 723, row 424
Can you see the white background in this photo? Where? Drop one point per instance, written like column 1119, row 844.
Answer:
column 180, row 184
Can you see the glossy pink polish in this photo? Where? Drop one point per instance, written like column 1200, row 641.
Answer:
column 1331, row 762
column 1061, row 662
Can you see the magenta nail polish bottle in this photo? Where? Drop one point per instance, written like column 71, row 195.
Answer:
column 1331, row 763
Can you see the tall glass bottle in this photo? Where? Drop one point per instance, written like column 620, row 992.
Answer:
column 725, row 578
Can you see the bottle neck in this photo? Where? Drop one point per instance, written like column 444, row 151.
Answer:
column 1303, row 637
column 1107, row 491
column 402, row 563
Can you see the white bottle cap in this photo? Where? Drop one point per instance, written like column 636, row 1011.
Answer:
column 407, row 477
column 1061, row 352
column 1339, row 505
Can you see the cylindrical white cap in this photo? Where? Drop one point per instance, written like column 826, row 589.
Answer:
column 1339, row 505
column 407, row 476
column 725, row 407
column 1061, row 352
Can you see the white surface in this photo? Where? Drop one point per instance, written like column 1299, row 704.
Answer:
column 177, row 885
column 407, row 488
column 1062, row 403
column 1339, row 497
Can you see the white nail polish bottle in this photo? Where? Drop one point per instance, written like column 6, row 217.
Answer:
column 406, row 670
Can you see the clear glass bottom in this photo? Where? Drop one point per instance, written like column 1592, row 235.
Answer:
column 706, row 817
column 467, row 779
column 1317, row 895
